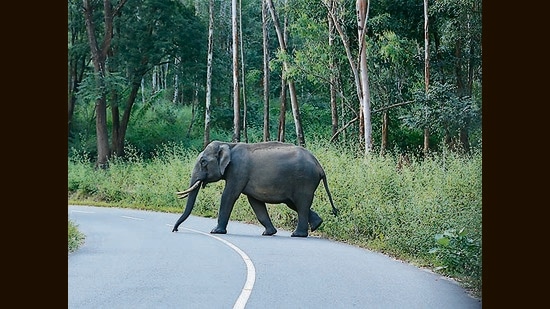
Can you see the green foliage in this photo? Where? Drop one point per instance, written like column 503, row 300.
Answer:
column 76, row 238
column 457, row 253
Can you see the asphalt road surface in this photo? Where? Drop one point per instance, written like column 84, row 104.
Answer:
column 131, row 259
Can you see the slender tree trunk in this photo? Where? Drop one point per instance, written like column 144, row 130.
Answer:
column 143, row 91
column 176, row 86
column 115, row 130
column 353, row 66
column 206, row 140
column 75, row 78
column 118, row 141
column 245, row 132
column 266, row 72
column 154, row 80
column 291, row 87
column 384, row 141
column 194, row 104
column 362, row 15
column 235, row 45
column 281, row 131
column 282, row 113
column 333, row 79
column 426, row 74
column 464, row 131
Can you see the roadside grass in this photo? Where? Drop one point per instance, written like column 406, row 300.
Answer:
column 427, row 212
column 76, row 238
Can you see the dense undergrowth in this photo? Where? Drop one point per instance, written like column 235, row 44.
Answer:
column 427, row 211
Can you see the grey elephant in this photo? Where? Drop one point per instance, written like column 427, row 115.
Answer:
column 266, row 172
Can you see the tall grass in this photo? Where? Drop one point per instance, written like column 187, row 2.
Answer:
column 428, row 211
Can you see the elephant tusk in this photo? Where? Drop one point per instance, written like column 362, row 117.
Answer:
column 184, row 194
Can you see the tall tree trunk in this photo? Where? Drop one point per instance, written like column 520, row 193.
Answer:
column 333, row 79
column 291, row 87
column 235, row 45
column 426, row 74
column 362, row 15
column 243, row 84
column 176, row 86
column 75, row 78
column 99, row 57
column 464, row 130
column 281, row 131
column 266, row 72
column 143, row 91
column 154, row 80
column 194, row 104
column 282, row 111
column 353, row 66
column 115, row 130
column 122, row 126
column 206, row 140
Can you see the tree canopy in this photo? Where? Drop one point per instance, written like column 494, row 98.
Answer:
column 155, row 59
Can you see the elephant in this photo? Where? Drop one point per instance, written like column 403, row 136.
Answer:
column 266, row 172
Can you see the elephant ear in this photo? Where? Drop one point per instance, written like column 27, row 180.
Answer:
column 224, row 157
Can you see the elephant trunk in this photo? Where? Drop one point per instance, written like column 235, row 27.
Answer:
column 192, row 193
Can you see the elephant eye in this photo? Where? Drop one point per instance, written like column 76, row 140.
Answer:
column 203, row 162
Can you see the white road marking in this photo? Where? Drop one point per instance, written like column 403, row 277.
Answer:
column 82, row 211
column 133, row 218
column 250, row 271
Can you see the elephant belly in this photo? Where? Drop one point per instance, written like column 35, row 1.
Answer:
column 271, row 194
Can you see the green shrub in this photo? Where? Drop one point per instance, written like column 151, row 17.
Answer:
column 76, row 238
column 457, row 253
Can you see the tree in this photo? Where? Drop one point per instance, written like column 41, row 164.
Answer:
column 359, row 69
column 206, row 140
column 235, row 46
column 79, row 50
column 293, row 99
column 149, row 38
column 333, row 78
column 426, row 73
column 99, row 58
column 243, row 82
column 364, row 98
column 281, row 129
column 265, row 44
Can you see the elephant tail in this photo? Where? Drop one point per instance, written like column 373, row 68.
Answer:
column 334, row 210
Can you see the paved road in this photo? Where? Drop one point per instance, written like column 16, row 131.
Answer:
column 131, row 259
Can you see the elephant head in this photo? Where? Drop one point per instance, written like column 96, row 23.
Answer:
column 210, row 167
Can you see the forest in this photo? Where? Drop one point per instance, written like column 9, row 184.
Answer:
column 275, row 70
column 388, row 95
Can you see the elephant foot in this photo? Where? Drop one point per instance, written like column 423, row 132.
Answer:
column 218, row 230
column 269, row 232
column 316, row 224
column 298, row 234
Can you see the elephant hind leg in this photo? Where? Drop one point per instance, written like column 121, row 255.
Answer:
column 302, row 207
column 314, row 220
column 260, row 210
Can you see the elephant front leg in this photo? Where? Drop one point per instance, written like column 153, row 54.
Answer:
column 229, row 197
column 260, row 210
